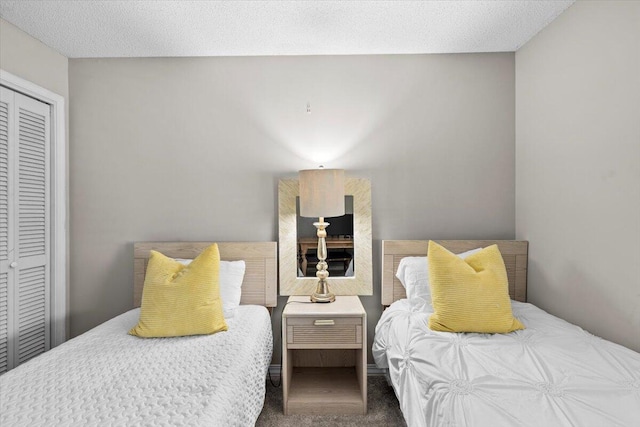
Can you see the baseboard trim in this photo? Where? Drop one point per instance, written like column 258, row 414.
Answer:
column 372, row 371
column 274, row 371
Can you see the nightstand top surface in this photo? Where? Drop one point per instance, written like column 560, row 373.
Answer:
column 342, row 306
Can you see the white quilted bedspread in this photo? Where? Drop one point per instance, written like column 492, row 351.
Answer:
column 107, row 377
column 551, row 374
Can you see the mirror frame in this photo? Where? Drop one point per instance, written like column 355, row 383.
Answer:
column 362, row 282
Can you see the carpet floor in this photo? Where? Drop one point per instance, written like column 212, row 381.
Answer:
column 382, row 410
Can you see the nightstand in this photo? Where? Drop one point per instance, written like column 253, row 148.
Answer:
column 324, row 356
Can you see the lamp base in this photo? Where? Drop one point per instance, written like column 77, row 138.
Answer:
column 322, row 293
column 328, row 297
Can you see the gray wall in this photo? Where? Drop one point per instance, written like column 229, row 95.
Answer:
column 578, row 167
column 193, row 148
column 31, row 60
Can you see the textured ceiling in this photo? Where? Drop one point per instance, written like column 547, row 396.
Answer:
column 96, row 28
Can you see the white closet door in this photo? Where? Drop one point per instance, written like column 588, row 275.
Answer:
column 24, row 228
column 32, row 236
column 6, row 232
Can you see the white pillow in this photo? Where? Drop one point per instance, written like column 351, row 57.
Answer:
column 349, row 272
column 231, row 277
column 413, row 273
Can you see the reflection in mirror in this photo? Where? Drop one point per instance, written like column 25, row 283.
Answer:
column 340, row 248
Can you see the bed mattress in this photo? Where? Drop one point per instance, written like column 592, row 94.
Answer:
column 552, row 373
column 107, row 377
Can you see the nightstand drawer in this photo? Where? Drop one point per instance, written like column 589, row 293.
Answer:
column 320, row 332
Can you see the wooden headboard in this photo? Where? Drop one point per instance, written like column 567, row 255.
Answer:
column 260, row 278
column 514, row 253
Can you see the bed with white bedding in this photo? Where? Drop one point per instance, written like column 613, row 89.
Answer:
column 108, row 377
column 552, row 373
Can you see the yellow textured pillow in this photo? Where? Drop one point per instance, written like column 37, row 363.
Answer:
column 180, row 300
column 471, row 294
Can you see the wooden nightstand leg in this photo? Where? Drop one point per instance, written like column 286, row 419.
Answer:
column 286, row 368
column 283, row 368
column 361, row 366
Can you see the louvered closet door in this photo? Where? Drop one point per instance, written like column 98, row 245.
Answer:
column 32, row 236
column 26, row 228
column 6, row 233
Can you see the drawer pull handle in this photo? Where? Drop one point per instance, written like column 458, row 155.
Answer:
column 329, row 322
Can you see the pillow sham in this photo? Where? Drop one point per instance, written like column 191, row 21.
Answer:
column 179, row 300
column 472, row 294
column 231, row 278
column 413, row 273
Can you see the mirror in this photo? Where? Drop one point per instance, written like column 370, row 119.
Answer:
column 351, row 273
column 339, row 241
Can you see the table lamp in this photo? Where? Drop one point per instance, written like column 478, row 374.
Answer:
column 321, row 195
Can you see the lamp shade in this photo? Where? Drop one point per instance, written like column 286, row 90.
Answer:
column 321, row 192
